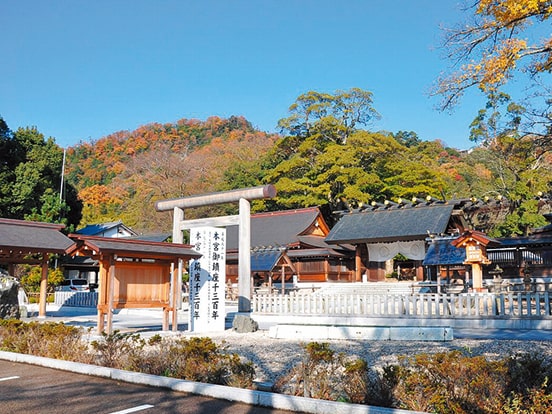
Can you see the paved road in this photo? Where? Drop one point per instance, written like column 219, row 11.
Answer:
column 34, row 389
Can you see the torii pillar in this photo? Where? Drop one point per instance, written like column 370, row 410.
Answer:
column 243, row 220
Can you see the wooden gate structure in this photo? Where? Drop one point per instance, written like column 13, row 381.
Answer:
column 135, row 274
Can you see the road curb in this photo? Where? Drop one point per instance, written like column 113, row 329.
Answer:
column 253, row 397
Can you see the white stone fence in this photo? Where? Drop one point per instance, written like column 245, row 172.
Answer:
column 428, row 305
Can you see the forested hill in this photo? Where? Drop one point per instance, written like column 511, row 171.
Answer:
column 119, row 176
column 324, row 160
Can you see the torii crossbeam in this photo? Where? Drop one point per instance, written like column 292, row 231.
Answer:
column 243, row 220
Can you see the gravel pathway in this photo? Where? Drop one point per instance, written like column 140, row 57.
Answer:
column 274, row 357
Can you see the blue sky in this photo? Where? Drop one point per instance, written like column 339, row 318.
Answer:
column 79, row 70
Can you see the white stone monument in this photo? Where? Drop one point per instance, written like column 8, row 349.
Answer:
column 207, row 280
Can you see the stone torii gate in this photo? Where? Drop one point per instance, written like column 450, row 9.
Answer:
column 243, row 220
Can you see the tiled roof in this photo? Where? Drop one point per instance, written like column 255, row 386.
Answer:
column 155, row 237
column 393, row 224
column 275, row 229
column 94, row 229
column 97, row 229
column 136, row 248
column 33, row 237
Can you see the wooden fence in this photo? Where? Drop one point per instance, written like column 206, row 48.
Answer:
column 430, row 305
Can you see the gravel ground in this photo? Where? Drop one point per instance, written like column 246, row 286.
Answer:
column 274, row 357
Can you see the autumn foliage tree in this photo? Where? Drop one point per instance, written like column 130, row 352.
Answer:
column 121, row 176
column 495, row 45
column 505, row 41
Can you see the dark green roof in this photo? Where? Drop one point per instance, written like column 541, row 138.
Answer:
column 393, row 224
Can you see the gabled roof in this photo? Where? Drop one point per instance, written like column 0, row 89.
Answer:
column 19, row 238
column 393, row 224
column 278, row 228
column 100, row 228
column 264, row 261
column 133, row 248
column 471, row 236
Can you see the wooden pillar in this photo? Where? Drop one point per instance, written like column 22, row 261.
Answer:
column 477, row 277
column 43, row 287
column 176, row 290
column 419, row 270
column 358, row 264
column 102, row 293
column 165, row 320
column 110, row 294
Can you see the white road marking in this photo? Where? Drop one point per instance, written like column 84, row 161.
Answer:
column 134, row 409
column 8, row 378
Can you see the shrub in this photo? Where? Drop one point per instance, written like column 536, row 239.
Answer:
column 535, row 402
column 325, row 375
column 119, row 350
column 355, row 384
column 450, row 383
column 51, row 340
column 200, row 359
column 196, row 359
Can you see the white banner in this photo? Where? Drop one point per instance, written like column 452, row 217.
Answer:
column 208, row 280
column 381, row 252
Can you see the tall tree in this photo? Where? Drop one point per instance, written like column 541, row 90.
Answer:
column 369, row 167
column 30, row 178
column 331, row 117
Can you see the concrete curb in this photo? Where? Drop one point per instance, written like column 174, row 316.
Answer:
column 253, row 397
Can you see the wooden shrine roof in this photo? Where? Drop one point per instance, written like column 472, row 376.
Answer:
column 20, row 239
column 393, row 224
column 95, row 246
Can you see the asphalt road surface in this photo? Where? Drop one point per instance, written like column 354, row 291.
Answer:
column 35, row 389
